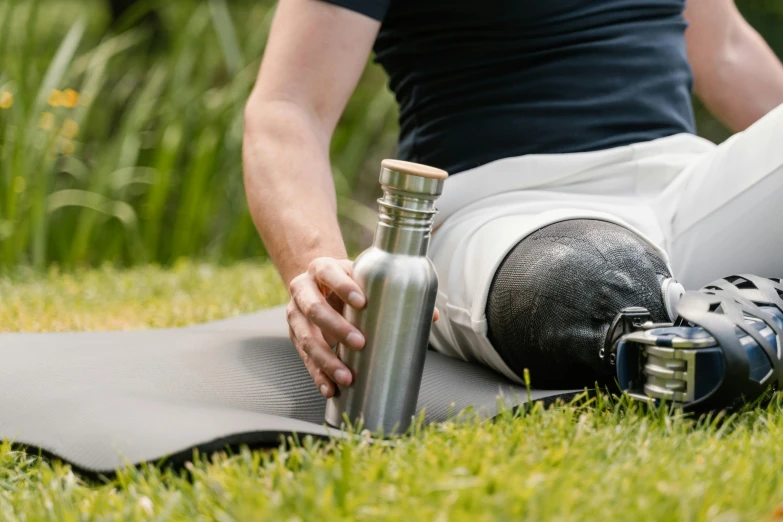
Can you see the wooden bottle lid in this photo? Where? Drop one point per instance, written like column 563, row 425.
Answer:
column 416, row 169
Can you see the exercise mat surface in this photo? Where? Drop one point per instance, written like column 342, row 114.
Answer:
column 101, row 400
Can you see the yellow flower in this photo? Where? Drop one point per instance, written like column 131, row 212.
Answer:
column 55, row 98
column 19, row 184
column 6, row 100
column 69, row 98
column 67, row 148
column 69, row 129
column 47, row 121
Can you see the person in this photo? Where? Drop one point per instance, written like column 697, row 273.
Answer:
column 577, row 184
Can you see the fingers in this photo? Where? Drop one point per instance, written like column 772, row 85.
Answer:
column 338, row 305
column 316, row 324
column 335, row 275
column 311, row 302
column 322, row 363
column 435, row 315
column 324, row 384
column 331, row 340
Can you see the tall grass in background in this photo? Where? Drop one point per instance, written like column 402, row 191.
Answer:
column 125, row 147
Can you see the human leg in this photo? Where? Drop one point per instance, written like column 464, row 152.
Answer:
column 487, row 213
column 533, row 280
column 556, row 293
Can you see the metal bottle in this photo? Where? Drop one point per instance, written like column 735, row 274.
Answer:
column 400, row 285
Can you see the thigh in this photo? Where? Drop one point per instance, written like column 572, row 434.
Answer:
column 724, row 215
column 470, row 246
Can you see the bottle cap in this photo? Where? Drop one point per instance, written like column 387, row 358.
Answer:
column 413, row 178
column 417, row 169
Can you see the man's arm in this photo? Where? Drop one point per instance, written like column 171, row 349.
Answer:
column 314, row 57
column 736, row 74
column 313, row 60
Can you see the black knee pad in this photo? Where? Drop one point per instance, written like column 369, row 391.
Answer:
column 556, row 293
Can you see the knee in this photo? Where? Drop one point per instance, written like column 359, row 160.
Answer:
column 555, row 294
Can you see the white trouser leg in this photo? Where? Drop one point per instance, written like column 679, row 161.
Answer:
column 724, row 214
column 470, row 252
column 487, row 211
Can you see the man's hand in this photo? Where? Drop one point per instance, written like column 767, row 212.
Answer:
column 316, row 324
column 315, row 321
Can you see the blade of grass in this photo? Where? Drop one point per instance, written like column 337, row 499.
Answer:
column 194, row 208
column 59, row 64
column 155, row 206
column 29, row 48
column 227, row 35
column 7, row 15
column 125, row 154
column 54, row 75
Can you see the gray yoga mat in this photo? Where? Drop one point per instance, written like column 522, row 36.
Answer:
column 103, row 400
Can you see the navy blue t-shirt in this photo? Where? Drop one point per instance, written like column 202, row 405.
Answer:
column 478, row 81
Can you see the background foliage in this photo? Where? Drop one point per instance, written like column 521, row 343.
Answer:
column 122, row 144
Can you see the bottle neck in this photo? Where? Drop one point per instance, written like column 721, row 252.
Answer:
column 404, row 223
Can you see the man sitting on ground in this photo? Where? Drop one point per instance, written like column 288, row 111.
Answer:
column 577, row 184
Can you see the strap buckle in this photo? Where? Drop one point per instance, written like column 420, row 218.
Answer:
column 631, row 319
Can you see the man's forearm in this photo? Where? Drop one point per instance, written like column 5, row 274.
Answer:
column 289, row 186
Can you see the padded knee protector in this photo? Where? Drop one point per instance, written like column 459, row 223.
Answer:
column 554, row 297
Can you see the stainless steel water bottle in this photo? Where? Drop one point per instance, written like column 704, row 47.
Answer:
column 400, row 285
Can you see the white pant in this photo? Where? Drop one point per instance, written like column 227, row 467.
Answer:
column 712, row 211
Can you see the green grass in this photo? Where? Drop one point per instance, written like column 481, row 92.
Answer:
column 149, row 297
column 597, row 461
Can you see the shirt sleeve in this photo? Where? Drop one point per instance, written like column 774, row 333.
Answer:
column 375, row 9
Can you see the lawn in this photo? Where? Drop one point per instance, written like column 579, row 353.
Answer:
column 600, row 460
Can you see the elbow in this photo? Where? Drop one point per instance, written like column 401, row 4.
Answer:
column 715, row 71
column 726, row 62
column 274, row 131
column 253, row 115
column 264, row 124
column 281, row 119
column 266, row 118
column 264, row 133
column 715, row 81
column 279, row 124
